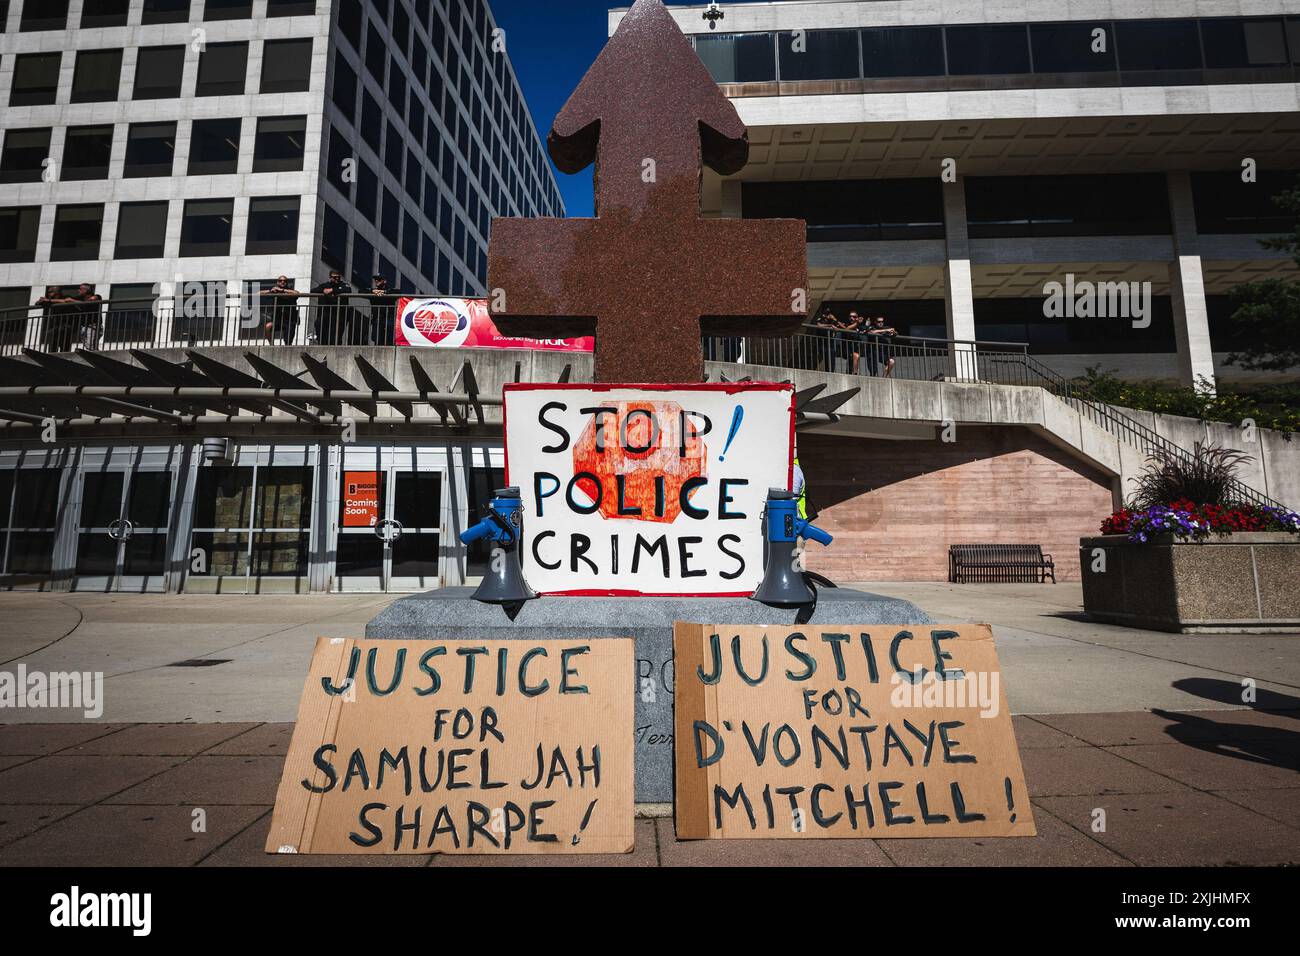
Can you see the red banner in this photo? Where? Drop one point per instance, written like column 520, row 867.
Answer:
column 360, row 499
column 465, row 323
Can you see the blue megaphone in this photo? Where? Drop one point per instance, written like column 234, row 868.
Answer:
column 784, row 583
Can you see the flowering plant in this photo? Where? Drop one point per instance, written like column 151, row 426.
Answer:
column 1189, row 521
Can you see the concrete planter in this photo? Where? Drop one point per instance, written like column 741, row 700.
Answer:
column 1242, row 582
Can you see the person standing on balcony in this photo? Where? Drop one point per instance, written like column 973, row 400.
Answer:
column 280, row 316
column 59, row 323
column 90, row 321
column 332, row 317
column 855, row 328
column 881, row 334
column 383, row 312
column 833, row 328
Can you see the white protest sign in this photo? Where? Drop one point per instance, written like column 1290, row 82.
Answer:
column 647, row 489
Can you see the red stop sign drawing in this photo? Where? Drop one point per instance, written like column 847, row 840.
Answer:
column 652, row 446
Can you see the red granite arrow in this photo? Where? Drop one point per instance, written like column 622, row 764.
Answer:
column 648, row 274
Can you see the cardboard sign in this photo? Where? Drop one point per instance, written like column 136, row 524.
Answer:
column 461, row 747
column 647, row 489
column 466, row 323
column 360, row 499
column 844, row 731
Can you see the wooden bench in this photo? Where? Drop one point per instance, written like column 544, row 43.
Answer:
column 999, row 564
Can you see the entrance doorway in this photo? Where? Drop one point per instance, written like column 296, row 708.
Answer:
column 391, row 514
column 122, row 528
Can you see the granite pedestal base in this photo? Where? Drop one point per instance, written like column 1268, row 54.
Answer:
column 452, row 614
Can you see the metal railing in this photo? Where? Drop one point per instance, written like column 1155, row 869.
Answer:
column 247, row 320
column 187, row 321
column 922, row 359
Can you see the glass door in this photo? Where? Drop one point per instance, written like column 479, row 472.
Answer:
column 391, row 512
column 29, row 518
column 122, row 530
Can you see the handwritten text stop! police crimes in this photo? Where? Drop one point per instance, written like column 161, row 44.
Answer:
column 461, row 758
column 699, row 498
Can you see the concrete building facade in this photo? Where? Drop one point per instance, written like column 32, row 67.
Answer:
column 954, row 159
column 200, row 148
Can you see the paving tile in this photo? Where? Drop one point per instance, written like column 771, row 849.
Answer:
column 1031, row 734
column 645, row 854
column 1282, row 804
column 13, row 761
column 249, row 849
column 262, row 741
column 41, row 739
column 162, row 739
column 1145, row 727
column 1057, row 844
column 128, row 836
column 211, row 781
column 1243, row 765
column 82, row 780
column 1057, row 771
column 19, row 820
column 794, row 852
column 1182, row 829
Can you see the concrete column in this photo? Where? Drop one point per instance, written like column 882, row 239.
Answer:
column 1187, row 289
column 959, row 296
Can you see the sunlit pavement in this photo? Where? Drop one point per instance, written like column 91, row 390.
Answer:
column 1138, row 748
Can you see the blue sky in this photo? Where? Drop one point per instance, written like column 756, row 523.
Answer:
column 551, row 43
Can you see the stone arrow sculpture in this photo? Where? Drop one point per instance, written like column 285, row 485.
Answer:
column 648, row 276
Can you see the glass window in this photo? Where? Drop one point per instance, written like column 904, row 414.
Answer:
column 25, row 153
column 86, row 152
column 165, row 11
column 76, row 232
column 1021, row 206
column 97, row 76
column 350, row 19
column 222, row 69
column 272, row 225
column 344, row 92
column 1158, row 44
column 280, row 144
column 819, row 55
column 367, row 192
column 376, row 54
column 44, row 15
column 410, row 238
column 339, row 158
column 1234, row 44
column 392, row 213
column 18, row 226
column 141, row 230
column 36, row 79
column 363, row 261
column 104, row 13
column 227, row 9
column 393, row 150
column 150, row 149
column 852, row 210
column 205, row 227
column 286, row 66
column 158, row 72
column 290, row 8
column 334, row 240
column 1072, row 47
column 988, row 49
column 739, row 57
column 372, row 122
column 214, row 147
column 14, row 303
column 253, row 520
column 1225, row 205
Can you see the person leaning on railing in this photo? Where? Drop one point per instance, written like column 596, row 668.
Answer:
column 333, row 318
column 280, row 314
column 383, row 308
column 59, row 313
column 881, row 334
column 90, row 319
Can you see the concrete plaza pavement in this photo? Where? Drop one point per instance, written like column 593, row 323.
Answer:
column 1150, row 728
